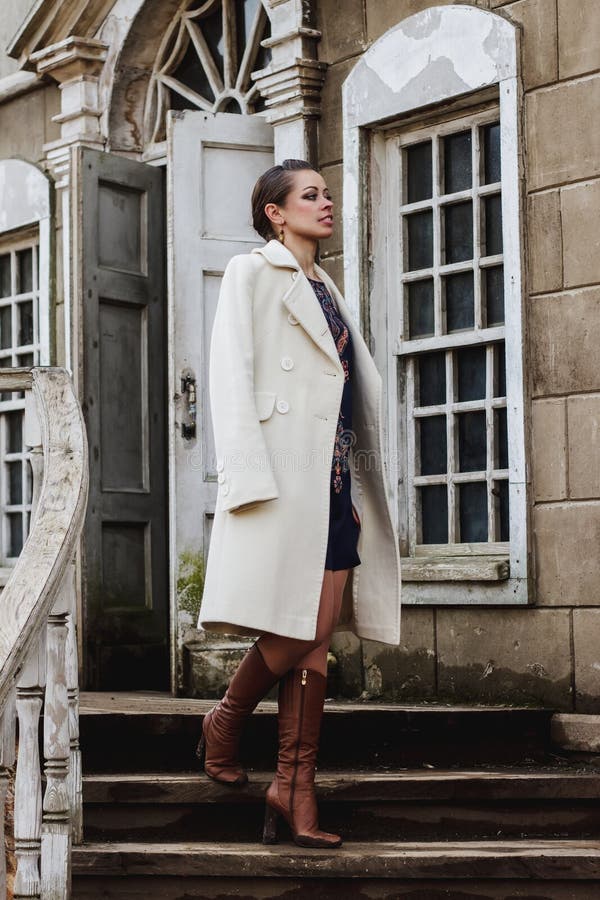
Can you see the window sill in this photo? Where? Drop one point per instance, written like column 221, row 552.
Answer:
column 455, row 568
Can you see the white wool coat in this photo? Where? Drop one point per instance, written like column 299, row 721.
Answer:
column 275, row 383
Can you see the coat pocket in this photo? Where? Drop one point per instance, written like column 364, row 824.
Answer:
column 265, row 403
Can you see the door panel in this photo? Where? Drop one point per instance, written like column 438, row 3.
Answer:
column 126, row 612
column 213, row 163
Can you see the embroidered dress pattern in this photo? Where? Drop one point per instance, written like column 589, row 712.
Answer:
column 343, row 525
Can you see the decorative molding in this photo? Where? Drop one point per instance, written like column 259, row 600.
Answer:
column 76, row 64
column 292, row 91
column 50, row 22
column 17, row 84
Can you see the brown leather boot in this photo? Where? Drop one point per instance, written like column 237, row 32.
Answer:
column 292, row 792
column 222, row 726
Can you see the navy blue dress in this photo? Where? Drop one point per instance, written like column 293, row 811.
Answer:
column 344, row 527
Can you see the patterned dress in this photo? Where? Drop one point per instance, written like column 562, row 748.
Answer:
column 344, row 527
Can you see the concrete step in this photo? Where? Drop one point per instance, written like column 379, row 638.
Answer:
column 416, row 805
column 148, row 733
column 554, row 870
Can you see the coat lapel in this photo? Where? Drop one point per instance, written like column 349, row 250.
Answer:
column 300, row 299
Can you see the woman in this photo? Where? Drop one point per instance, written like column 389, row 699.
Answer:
column 302, row 504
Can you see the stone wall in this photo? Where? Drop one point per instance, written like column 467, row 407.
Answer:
column 546, row 653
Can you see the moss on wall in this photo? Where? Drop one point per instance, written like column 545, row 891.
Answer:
column 190, row 582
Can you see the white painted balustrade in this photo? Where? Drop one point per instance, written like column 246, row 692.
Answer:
column 38, row 644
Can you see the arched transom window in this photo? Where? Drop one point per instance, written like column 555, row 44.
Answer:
column 206, row 59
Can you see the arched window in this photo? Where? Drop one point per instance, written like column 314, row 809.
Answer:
column 206, row 59
column 431, row 114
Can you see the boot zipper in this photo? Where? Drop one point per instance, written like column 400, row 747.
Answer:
column 300, row 718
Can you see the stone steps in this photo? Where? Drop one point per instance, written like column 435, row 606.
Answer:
column 395, row 869
column 418, row 805
column 432, row 802
column 149, row 735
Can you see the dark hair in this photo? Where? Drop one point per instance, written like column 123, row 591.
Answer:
column 273, row 186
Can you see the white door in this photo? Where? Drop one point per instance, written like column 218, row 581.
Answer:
column 213, row 163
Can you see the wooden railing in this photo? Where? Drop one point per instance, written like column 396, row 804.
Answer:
column 38, row 643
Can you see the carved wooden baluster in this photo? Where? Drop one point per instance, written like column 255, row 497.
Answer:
column 28, row 783
column 56, row 823
column 75, row 776
column 7, row 760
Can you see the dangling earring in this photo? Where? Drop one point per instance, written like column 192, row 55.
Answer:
column 282, row 236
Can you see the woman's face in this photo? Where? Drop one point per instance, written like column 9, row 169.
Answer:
column 308, row 208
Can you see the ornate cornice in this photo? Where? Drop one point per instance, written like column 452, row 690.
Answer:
column 52, row 21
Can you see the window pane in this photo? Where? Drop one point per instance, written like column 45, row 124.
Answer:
column 5, row 327
column 433, row 445
column 500, row 492
column 492, row 216
column 419, row 231
column 418, row 172
column 15, row 487
column 458, row 222
column 458, row 172
column 434, row 514
column 501, row 436
column 473, row 512
column 491, row 153
column 470, row 364
column 25, row 270
column 25, row 360
column 472, row 454
column 493, row 291
column 190, row 72
column 28, row 482
column 432, row 379
column 25, row 323
column 5, row 289
column 499, row 371
column 15, row 533
column 460, row 308
column 14, row 431
column 420, row 308
column 212, row 29
column 246, row 11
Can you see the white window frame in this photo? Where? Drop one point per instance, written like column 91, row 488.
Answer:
column 433, row 66
column 25, row 221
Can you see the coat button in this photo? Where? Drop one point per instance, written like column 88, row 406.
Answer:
column 287, row 363
column 225, row 489
column 220, row 465
column 221, row 477
column 292, row 319
column 282, row 406
column 294, row 275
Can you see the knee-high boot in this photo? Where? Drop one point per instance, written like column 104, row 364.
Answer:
column 292, row 792
column 222, row 726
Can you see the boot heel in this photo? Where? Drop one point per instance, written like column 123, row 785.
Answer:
column 270, row 827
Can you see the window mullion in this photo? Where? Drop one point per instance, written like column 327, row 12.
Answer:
column 437, row 236
column 414, row 515
column 451, row 443
column 479, row 320
column 490, row 450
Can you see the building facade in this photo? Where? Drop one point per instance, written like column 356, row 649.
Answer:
column 457, row 141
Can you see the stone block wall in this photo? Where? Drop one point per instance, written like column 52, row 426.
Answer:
column 546, row 653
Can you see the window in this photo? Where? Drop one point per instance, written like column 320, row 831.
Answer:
column 19, row 346
column 433, row 252
column 451, row 335
column 206, row 59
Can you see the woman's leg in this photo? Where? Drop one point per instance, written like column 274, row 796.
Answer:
column 301, row 697
column 284, row 653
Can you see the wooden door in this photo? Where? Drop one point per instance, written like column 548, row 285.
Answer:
column 123, row 333
column 213, row 163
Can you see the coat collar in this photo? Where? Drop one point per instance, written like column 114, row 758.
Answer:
column 278, row 255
